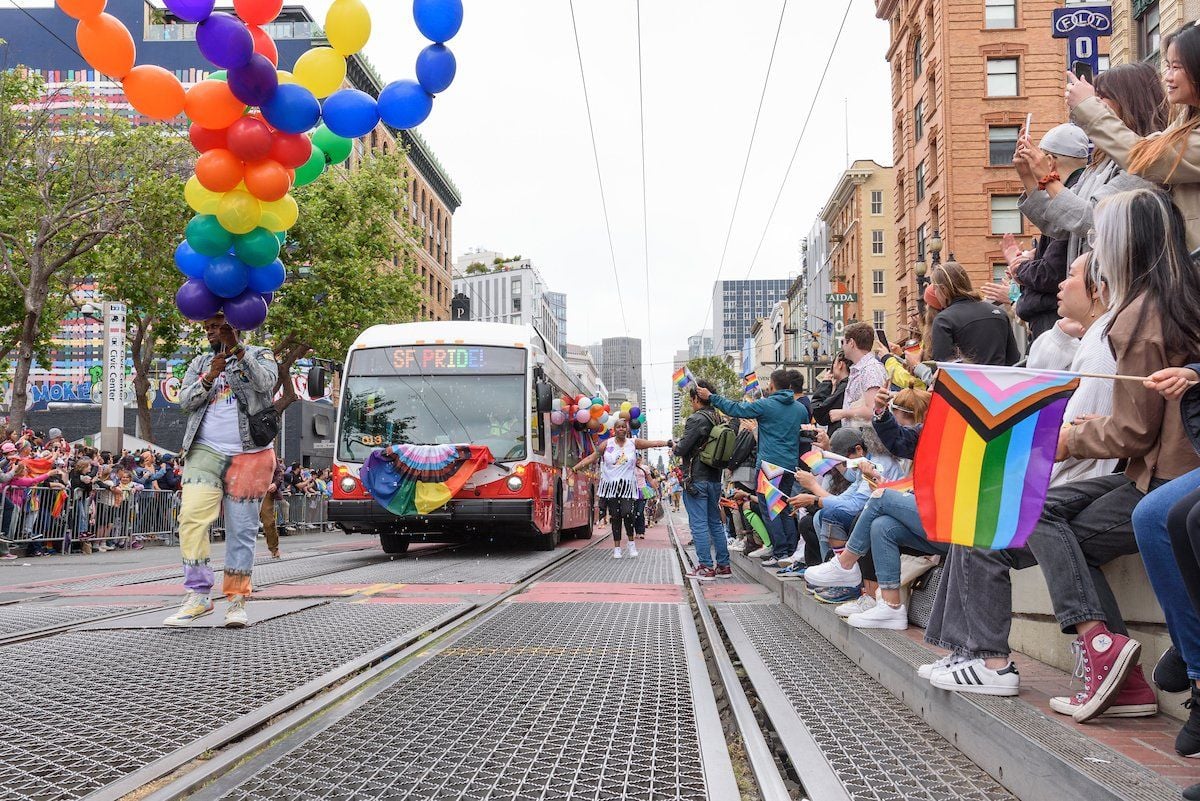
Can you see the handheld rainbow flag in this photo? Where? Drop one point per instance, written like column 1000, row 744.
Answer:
column 899, row 485
column 750, row 383
column 776, row 500
column 819, row 462
column 682, row 377
column 983, row 461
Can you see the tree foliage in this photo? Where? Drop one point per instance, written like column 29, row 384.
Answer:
column 717, row 373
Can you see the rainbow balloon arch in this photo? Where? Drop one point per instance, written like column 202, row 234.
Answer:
column 261, row 131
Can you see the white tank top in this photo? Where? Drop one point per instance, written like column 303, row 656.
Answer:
column 617, row 478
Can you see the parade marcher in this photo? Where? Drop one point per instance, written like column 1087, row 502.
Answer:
column 229, row 466
column 702, row 488
column 618, row 480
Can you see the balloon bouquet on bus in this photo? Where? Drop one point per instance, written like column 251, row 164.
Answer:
column 451, row 431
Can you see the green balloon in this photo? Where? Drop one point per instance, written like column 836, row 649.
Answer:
column 282, row 237
column 206, row 236
column 336, row 148
column 311, row 170
column 219, row 75
column 257, row 248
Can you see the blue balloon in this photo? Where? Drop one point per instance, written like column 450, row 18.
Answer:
column 438, row 20
column 189, row 262
column 225, row 40
column 292, row 109
column 226, row 277
column 404, row 104
column 350, row 113
column 254, row 82
column 435, row 68
column 267, row 279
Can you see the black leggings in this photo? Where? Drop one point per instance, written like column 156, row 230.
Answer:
column 1183, row 524
column 619, row 509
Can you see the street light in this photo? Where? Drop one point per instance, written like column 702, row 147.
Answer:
column 934, row 246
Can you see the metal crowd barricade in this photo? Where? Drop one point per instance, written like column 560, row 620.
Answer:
column 53, row 518
column 293, row 514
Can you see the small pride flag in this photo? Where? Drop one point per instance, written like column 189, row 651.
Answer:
column 682, row 377
column 983, row 461
column 776, row 501
column 750, row 383
column 819, row 462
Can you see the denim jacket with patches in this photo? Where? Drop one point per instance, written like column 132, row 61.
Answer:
column 252, row 379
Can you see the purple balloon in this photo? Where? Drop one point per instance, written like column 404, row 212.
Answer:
column 195, row 302
column 191, row 10
column 247, row 311
column 225, row 40
column 269, row 297
column 255, row 82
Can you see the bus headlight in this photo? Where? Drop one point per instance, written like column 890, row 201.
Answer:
column 348, row 484
column 515, row 483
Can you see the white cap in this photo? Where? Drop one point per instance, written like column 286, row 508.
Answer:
column 1066, row 140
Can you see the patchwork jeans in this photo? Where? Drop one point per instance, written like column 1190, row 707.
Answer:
column 213, row 483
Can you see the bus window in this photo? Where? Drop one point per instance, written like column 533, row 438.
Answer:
column 536, row 429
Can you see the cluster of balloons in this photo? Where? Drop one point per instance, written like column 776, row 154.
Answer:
column 261, row 131
column 593, row 414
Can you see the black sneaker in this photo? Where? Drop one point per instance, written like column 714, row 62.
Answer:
column 1170, row 672
column 1187, row 743
column 1192, row 793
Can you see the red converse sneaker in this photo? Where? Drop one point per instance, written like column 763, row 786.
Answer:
column 1107, row 660
column 701, row 573
column 725, row 572
column 1134, row 700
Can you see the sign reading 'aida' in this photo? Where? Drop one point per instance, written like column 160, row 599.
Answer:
column 438, row 360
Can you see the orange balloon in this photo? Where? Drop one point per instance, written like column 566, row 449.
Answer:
column 212, row 105
column 154, row 92
column 219, row 170
column 267, row 180
column 106, row 45
column 82, row 9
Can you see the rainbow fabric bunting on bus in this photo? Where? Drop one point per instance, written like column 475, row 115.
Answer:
column 421, row 479
column 775, row 499
column 983, row 461
column 682, row 377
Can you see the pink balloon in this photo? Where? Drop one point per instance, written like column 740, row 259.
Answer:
column 582, row 416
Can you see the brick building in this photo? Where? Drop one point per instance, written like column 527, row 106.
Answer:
column 1139, row 26
column 964, row 75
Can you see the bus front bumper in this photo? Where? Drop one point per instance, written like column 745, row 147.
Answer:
column 368, row 515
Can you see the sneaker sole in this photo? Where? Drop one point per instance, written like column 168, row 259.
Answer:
column 890, row 626
column 235, row 624
column 1123, row 711
column 181, row 624
column 976, row 689
column 833, row 601
column 1107, row 692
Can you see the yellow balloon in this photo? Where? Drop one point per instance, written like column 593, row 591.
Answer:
column 239, row 212
column 320, row 71
column 348, row 26
column 201, row 200
column 280, row 215
column 285, row 76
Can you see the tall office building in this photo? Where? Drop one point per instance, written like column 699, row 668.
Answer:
column 557, row 301
column 700, row 344
column 620, row 363
column 737, row 304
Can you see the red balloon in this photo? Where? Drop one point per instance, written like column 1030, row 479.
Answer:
column 264, row 45
column 257, row 12
column 219, row 170
column 250, row 139
column 267, row 180
column 205, row 139
column 291, row 150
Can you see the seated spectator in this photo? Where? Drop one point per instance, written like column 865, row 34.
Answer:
column 966, row 327
column 831, row 392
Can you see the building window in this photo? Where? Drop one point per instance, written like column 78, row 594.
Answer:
column 999, row 271
column 1001, row 14
column 1002, row 144
column 1002, row 77
column 918, row 121
column 921, row 242
column 918, row 58
column 876, row 202
column 919, row 179
column 877, row 282
column 1006, row 218
column 877, row 243
column 877, row 318
column 516, row 304
column 1101, row 64
column 1149, row 32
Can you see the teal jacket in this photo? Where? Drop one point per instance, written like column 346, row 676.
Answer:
column 779, row 418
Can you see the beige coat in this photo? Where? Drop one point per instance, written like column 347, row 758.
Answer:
column 1110, row 135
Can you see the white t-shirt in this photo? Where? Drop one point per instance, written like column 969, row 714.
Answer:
column 219, row 428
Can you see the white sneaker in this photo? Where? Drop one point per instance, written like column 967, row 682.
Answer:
column 235, row 614
column 881, row 616
column 832, row 574
column 975, row 677
column 772, row 562
column 860, row 604
column 788, row 561
column 632, row 549
column 194, row 606
column 759, row 553
column 737, row 545
column 617, row 552
column 948, row 661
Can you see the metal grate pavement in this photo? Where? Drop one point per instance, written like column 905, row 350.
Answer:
column 587, row 702
column 652, row 566
column 877, row 747
column 31, row 617
column 83, row 709
column 452, row 567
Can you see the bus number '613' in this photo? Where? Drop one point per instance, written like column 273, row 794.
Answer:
column 367, row 439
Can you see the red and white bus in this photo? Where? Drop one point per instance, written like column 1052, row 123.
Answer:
column 464, row 383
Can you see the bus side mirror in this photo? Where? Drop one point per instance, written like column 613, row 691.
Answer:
column 316, row 381
column 545, row 397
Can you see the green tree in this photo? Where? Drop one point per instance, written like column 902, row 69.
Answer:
column 359, row 252
column 476, row 267
column 137, row 266
column 62, row 191
column 717, row 373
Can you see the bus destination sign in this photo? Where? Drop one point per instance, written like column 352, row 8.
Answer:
column 438, row 359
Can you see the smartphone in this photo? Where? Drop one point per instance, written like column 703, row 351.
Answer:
column 1083, row 70
column 1029, row 124
column 883, row 339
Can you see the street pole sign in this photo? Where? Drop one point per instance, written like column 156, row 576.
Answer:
column 112, row 401
column 1082, row 27
column 839, row 300
column 842, row 297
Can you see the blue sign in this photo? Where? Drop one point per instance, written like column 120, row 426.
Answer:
column 1082, row 27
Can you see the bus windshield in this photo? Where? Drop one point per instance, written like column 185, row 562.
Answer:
column 434, row 395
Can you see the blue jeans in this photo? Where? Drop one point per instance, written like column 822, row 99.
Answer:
column 889, row 523
column 1154, row 543
column 704, row 520
column 782, row 530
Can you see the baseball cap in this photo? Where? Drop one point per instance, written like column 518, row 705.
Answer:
column 1066, row 140
column 8, row 447
column 54, row 433
column 845, row 440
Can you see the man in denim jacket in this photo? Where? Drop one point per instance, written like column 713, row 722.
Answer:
column 224, row 468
